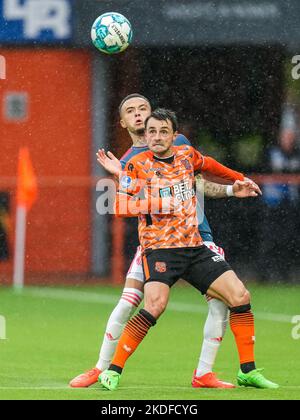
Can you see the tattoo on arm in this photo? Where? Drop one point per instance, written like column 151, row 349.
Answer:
column 210, row 189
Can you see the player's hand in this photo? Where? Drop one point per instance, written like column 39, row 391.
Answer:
column 247, row 188
column 254, row 185
column 109, row 162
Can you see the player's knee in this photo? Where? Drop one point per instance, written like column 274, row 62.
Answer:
column 156, row 306
column 247, row 297
column 156, row 309
column 240, row 299
column 137, row 285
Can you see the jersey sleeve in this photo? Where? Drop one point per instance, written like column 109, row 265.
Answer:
column 128, row 179
column 198, row 161
column 210, row 166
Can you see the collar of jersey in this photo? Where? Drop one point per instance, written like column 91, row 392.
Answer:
column 165, row 160
column 140, row 147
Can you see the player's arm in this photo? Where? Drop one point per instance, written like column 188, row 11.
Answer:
column 208, row 165
column 210, row 189
column 215, row 190
column 240, row 189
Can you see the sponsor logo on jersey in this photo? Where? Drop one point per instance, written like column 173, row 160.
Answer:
column 184, row 191
column 160, row 267
column 165, row 192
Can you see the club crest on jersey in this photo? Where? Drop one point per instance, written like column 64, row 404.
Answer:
column 126, row 181
column 186, row 164
column 130, row 167
column 160, row 267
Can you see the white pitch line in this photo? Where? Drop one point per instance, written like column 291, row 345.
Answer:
column 33, row 388
column 126, row 388
column 89, row 297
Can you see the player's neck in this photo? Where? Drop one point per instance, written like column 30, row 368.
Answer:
column 166, row 155
column 138, row 141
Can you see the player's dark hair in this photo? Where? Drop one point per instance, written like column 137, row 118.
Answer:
column 163, row 114
column 132, row 95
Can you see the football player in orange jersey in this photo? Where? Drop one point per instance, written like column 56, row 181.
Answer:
column 173, row 247
column 134, row 109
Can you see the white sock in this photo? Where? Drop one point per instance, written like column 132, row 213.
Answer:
column 214, row 330
column 130, row 300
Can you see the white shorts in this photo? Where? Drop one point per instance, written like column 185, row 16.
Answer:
column 217, row 250
column 136, row 269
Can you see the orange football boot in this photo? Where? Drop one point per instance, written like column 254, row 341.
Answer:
column 209, row 380
column 86, row 379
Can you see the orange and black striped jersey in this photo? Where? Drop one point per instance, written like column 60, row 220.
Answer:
column 148, row 183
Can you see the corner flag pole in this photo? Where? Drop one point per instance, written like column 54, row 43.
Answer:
column 20, row 235
column 26, row 196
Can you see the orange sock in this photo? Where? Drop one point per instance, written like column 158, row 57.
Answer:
column 133, row 334
column 242, row 326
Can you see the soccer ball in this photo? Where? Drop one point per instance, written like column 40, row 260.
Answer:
column 111, row 33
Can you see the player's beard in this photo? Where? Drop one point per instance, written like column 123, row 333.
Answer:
column 140, row 132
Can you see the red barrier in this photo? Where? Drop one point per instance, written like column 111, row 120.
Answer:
column 46, row 107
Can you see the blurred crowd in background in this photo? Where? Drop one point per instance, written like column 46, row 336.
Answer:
column 267, row 246
column 224, row 67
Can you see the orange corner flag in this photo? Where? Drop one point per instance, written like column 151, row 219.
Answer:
column 27, row 182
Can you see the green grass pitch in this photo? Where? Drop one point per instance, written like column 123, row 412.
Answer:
column 53, row 334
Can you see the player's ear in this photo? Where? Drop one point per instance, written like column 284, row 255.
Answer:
column 123, row 124
column 175, row 135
